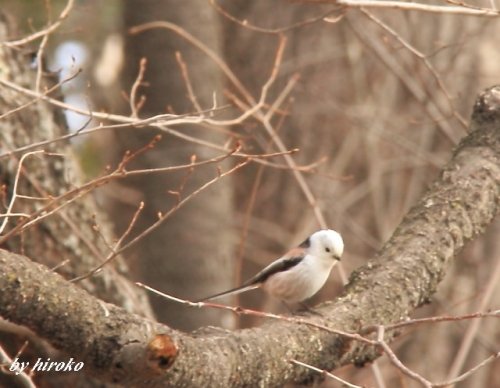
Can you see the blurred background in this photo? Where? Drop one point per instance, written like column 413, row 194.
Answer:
column 381, row 99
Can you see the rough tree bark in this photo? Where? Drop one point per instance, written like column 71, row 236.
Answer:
column 124, row 348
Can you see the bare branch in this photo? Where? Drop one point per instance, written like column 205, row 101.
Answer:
column 21, row 376
column 331, row 375
column 473, row 328
column 462, row 9
column 135, row 106
column 15, row 195
column 42, row 33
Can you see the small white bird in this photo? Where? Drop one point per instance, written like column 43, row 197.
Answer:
column 300, row 273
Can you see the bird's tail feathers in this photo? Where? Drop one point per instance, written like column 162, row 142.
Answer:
column 234, row 291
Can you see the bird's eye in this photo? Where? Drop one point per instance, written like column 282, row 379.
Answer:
column 327, row 249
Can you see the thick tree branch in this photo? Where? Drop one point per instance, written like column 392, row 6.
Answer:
column 124, row 348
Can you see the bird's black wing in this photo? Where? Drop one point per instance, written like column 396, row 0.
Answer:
column 290, row 260
column 278, row 266
column 306, row 243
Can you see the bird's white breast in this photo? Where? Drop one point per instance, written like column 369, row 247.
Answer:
column 300, row 282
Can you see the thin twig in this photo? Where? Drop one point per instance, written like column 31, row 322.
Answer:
column 395, row 360
column 326, row 373
column 197, row 43
column 467, row 374
column 408, row 80
column 245, row 311
column 275, row 31
column 117, row 245
column 40, row 34
column 181, row 203
column 21, row 377
column 40, row 62
column 424, row 60
column 14, row 190
column 135, row 105
column 187, row 81
column 39, row 95
column 414, row 6
column 473, row 328
column 418, row 321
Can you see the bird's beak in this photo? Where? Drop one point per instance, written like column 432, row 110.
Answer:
column 336, row 258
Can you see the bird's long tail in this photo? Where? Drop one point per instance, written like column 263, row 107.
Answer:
column 233, row 291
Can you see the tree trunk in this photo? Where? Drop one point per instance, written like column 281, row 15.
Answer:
column 191, row 255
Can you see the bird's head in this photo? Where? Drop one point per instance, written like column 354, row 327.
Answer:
column 326, row 243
